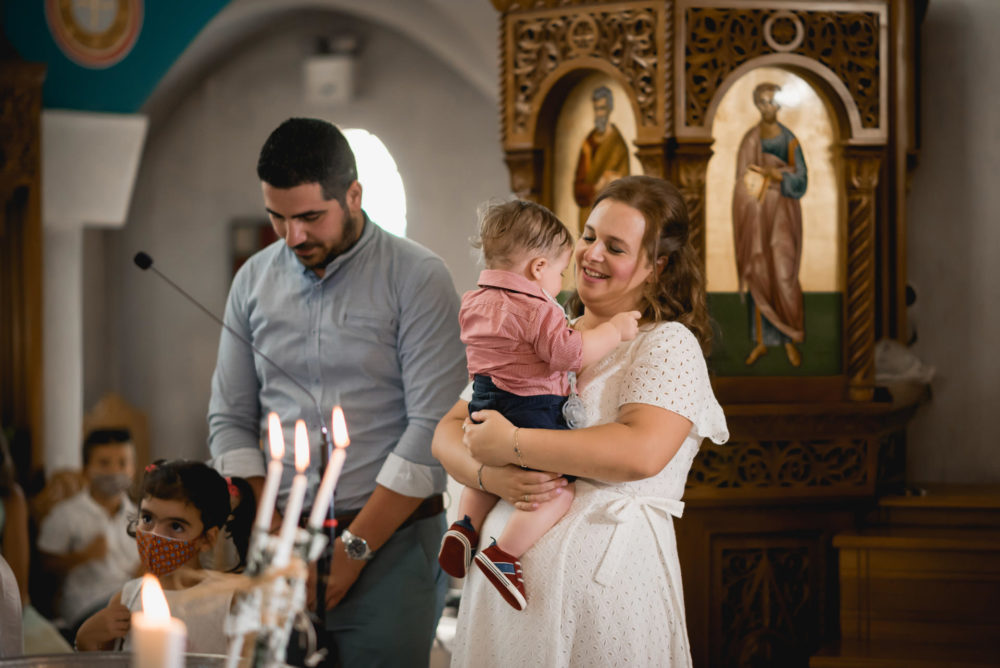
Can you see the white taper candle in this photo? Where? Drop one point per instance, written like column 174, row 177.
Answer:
column 293, row 509
column 322, row 501
column 265, row 510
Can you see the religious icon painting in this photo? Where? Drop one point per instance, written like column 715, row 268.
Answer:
column 774, row 230
column 594, row 145
column 94, row 33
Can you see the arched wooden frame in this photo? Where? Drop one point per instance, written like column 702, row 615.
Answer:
column 862, row 163
column 546, row 51
column 532, row 169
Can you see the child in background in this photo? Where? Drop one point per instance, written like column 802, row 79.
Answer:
column 84, row 537
column 184, row 507
column 520, row 349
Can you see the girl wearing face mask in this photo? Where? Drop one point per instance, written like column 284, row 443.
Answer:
column 186, row 507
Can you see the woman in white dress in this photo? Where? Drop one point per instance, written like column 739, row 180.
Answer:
column 604, row 584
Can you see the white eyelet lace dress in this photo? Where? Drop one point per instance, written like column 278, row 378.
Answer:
column 604, row 585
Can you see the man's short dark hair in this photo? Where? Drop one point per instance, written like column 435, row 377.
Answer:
column 308, row 150
column 99, row 437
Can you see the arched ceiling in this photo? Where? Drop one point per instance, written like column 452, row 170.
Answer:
column 459, row 32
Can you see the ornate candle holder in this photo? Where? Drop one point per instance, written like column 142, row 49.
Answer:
column 275, row 600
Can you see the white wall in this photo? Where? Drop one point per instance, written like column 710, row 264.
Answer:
column 198, row 173
column 954, row 244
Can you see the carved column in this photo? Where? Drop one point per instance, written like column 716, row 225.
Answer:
column 689, row 166
column 862, row 179
column 652, row 157
column 526, row 167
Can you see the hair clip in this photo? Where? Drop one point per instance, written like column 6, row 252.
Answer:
column 150, row 468
column 234, row 491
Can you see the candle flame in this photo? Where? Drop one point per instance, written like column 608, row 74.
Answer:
column 276, row 436
column 154, row 603
column 340, row 437
column 301, row 446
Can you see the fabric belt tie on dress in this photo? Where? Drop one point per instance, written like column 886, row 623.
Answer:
column 624, row 512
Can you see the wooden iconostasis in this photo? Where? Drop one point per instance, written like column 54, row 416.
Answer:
column 709, row 94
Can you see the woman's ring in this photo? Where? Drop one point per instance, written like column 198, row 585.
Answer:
column 525, row 498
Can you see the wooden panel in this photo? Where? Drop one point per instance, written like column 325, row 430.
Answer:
column 907, row 654
column 21, row 260
column 759, row 581
column 933, row 585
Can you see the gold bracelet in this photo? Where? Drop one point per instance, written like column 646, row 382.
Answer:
column 479, row 477
column 517, row 450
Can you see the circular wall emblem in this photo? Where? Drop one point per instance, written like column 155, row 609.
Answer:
column 582, row 35
column 783, row 31
column 94, row 33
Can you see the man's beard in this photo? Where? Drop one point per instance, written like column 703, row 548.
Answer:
column 600, row 124
column 349, row 238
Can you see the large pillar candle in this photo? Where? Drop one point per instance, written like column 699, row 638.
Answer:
column 158, row 640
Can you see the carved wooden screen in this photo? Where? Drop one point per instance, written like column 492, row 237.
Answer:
column 676, row 61
column 796, row 434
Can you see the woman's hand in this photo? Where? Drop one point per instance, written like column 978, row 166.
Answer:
column 524, row 489
column 490, row 442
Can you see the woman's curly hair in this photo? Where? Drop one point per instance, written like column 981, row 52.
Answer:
column 678, row 294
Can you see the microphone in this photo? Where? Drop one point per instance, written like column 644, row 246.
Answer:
column 145, row 262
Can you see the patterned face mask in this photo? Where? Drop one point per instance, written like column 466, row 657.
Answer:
column 161, row 555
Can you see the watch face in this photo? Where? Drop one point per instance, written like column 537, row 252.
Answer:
column 356, row 548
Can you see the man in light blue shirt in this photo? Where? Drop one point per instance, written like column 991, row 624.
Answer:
column 363, row 319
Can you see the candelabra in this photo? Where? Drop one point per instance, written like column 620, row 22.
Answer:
column 274, row 599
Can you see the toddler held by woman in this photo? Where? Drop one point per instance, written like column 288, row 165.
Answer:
column 520, row 350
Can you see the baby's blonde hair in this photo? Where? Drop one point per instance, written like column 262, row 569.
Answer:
column 508, row 229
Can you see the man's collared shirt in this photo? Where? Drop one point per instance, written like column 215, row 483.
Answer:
column 377, row 335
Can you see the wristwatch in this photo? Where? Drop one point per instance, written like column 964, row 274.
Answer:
column 356, row 546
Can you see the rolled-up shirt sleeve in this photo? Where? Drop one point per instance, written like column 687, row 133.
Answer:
column 432, row 359
column 234, row 407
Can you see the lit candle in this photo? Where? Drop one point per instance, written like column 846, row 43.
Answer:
column 290, row 524
column 158, row 640
column 265, row 511
column 322, row 501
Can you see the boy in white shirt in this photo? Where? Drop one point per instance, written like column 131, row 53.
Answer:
column 85, row 538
